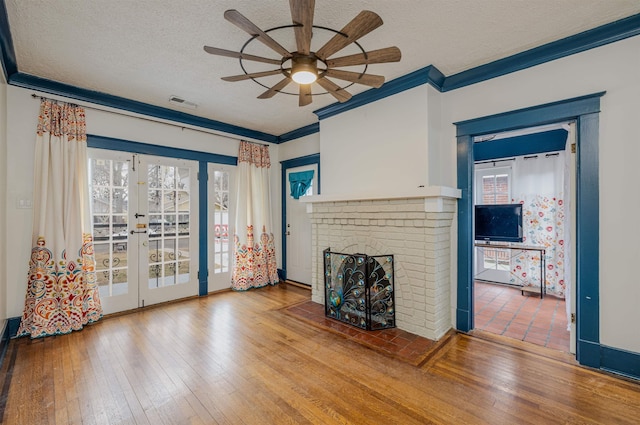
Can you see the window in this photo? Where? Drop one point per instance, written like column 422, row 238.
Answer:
column 493, row 186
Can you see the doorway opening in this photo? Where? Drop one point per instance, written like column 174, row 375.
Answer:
column 584, row 111
column 523, row 265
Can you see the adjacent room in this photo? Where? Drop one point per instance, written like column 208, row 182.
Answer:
column 229, row 211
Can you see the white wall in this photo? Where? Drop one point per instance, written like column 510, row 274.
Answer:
column 379, row 148
column 307, row 145
column 22, row 118
column 3, row 198
column 614, row 69
column 386, row 146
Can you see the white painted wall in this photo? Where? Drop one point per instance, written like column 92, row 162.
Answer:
column 379, row 148
column 384, row 146
column 614, row 69
column 22, row 118
column 307, row 145
column 3, row 198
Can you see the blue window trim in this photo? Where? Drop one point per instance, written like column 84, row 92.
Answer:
column 584, row 110
column 284, row 166
column 528, row 144
column 203, row 158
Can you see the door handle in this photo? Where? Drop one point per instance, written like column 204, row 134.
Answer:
column 139, row 215
column 133, row 231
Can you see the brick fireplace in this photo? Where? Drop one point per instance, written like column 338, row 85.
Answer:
column 416, row 229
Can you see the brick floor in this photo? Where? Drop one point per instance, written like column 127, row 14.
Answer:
column 393, row 342
column 503, row 310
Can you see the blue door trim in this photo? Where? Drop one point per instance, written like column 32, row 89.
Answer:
column 284, row 166
column 584, row 110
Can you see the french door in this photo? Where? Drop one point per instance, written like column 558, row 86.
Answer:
column 221, row 231
column 145, row 222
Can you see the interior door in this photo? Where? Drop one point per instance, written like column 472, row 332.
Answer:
column 221, row 231
column 144, row 213
column 298, row 231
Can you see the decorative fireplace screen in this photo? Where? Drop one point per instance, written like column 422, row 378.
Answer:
column 359, row 289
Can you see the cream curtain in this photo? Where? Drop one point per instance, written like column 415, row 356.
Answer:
column 539, row 185
column 62, row 294
column 255, row 257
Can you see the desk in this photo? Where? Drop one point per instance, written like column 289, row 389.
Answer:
column 513, row 247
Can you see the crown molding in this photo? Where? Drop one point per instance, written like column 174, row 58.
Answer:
column 299, row 132
column 53, row 87
column 8, row 58
column 600, row 36
column 427, row 75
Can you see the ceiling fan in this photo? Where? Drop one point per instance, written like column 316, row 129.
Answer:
column 304, row 66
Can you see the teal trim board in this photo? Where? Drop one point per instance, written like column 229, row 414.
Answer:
column 427, row 75
column 203, row 228
column 300, row 132
column 284, row 166
column 9, row 65
column 4, row 340
column 584, row 111
column 110, row 143
column 600, row 36
column 99, row 98
column 528, row 144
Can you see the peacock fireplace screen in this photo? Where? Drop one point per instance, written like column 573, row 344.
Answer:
column 359, row 289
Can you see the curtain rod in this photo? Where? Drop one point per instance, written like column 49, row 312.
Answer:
column 493, row 161
column 36, row 96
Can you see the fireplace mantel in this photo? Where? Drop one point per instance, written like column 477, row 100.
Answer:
column 422, row 192
column 433, row 196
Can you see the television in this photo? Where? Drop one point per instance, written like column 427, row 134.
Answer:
column 498, row 223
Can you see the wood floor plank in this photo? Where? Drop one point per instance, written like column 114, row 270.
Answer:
column 238, row 358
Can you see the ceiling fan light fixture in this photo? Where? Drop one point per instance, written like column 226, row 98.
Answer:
column 304, row 70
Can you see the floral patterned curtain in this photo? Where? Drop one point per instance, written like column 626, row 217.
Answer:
column 539, row 187
column 255, row 258
column 62, row 294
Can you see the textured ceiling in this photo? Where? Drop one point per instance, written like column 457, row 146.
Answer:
column 149, row 50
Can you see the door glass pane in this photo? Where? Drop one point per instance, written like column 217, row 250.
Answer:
column 109, row 206
column 220, row 206
column 169, row 225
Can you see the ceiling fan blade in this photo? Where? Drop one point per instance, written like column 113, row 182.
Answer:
column 302, row 14
column 305, row 95
column 275, row 89
column 336, row 91
column 361, row 25
column 239, row 20
column 388, row 54
column 238, row 55
column 356, row 77
column 253, row 75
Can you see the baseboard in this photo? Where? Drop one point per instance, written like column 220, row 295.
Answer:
column 4, row 340
column 298, row 284
column 619, row 361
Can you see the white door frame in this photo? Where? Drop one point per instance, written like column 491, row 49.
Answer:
column 284, row 166
column 136, row 234
column 299, row 224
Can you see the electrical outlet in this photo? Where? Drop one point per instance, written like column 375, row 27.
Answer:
column 24, row 203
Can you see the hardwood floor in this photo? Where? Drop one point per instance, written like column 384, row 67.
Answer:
column 238, row 358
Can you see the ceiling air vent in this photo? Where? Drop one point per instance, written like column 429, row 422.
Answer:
column 181, row 102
